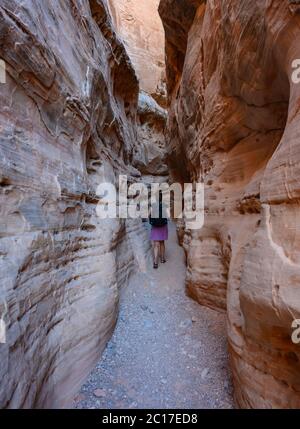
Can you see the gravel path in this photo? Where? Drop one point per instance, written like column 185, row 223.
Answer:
column 166, row 352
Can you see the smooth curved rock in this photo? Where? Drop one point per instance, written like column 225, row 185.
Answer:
column 67, row 123
column 234, row 124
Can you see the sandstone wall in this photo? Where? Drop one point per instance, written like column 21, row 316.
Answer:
column 141, row 28
column 150, row 153
column 67, row 121
column 234, row 124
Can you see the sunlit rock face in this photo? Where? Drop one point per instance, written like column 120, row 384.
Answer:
column 234, row 124
column 68, row 123
column 139, row 24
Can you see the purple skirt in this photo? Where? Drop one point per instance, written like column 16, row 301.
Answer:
column 159, row 233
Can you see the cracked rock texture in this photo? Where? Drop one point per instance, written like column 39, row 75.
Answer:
column 68, row 123
column 234, row 124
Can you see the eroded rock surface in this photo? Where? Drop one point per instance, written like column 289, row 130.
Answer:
column 67, row 123
column 140, row 26
column 150, row 155
column 234, row 124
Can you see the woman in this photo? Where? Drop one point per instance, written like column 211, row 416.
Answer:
column 159, row 234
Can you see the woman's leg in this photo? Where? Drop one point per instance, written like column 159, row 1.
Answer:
column 156, row 252
column 162, row 251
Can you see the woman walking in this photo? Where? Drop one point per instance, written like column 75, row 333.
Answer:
column 159, row 234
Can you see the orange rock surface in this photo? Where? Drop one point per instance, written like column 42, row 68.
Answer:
column 140, row 26
column 68, row 123
column 234, row 124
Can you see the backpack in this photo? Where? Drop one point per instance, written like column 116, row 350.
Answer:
column 158, row 221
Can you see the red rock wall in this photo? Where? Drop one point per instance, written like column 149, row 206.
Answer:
column 68, row 122
column 234, row 124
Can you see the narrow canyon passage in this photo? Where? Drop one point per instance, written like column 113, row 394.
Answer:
column 166, row 351
column 93, row 92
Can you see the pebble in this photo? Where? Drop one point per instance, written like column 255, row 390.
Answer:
column 99, row 393
column 148, row 324
column 204, row 373
column 186, row 323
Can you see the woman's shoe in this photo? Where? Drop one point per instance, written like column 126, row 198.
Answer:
column 155, row 266
column 163, row 261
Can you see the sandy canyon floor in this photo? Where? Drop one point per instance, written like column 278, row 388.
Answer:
column 166, row 351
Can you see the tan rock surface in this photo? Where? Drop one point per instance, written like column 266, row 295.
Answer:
column 141, row 28
column 67, row 123
column 150, row 152
column 234, row 123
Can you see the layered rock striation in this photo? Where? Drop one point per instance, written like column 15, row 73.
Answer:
column 234, row 124
column 150, row 154
column 68, row 123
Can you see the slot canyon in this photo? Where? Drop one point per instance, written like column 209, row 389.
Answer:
column 176, row 91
